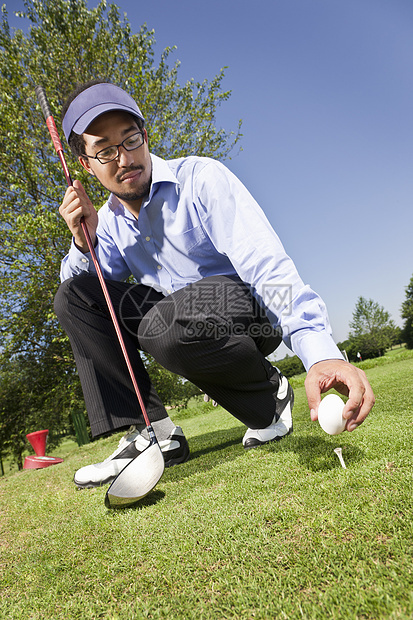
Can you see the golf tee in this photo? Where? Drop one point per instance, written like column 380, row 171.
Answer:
column 340, row 456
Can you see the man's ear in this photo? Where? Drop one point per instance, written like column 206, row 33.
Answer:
column 84, row 162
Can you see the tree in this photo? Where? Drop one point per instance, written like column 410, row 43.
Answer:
column 67, row 44
column 372, row 330
column 290, row 366
column 28, row 402
column 407, row 315
column 172, row 390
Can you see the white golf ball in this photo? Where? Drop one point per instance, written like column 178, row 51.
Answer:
column 330, row 414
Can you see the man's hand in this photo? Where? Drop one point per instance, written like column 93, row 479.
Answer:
column 76, row 204
column 346, row 379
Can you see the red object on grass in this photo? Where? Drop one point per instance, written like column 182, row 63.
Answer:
column 38, row 441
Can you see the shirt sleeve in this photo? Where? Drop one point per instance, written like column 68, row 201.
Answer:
column 239, row 229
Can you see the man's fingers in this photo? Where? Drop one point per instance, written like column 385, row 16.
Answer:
column 346, row 379
column 360, row 402
column 80, row 190
column 312, row 389
column 75, row 206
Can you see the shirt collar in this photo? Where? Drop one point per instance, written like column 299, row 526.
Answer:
column 161, row 173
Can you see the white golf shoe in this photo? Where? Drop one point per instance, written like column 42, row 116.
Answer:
column 282, row 424
column 175, row 450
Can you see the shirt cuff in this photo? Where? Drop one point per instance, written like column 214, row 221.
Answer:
column 76, row 263
column 79, row 260
column 315, row 346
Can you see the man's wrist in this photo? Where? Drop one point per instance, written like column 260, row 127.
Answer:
column 82, row 248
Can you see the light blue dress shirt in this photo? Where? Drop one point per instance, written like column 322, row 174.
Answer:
column 198, row 221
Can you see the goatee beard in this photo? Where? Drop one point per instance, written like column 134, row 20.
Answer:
column 136, row 194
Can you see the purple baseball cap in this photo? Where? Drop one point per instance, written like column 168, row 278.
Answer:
column 93, row 102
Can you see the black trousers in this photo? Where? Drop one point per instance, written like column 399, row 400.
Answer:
column 212, row 332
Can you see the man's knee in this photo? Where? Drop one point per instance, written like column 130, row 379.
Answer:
column 204, row 317
column 71, row 290
column 160, row 333
column 61, row 300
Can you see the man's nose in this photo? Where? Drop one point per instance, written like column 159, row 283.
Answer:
column 125, row 158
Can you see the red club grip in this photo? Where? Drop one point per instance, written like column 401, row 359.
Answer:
column 44, row 104
column 53, row 134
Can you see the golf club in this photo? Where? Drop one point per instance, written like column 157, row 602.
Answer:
column 141, row 475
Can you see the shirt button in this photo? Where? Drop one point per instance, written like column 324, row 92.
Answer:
column 159, row 266
column 84, row 260
column 147, row 238
column 169, row 291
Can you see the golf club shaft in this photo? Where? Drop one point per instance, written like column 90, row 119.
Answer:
column 41, row 96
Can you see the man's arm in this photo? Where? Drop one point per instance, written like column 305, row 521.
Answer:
column 76, row 204
column 260, row 260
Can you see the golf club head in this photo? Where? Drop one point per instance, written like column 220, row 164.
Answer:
column 137, row 479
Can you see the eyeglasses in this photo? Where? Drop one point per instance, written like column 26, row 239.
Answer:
column 110, row 153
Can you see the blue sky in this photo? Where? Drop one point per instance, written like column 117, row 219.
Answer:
column 325, row 92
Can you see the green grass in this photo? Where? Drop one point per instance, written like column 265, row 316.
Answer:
column 278, row 532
